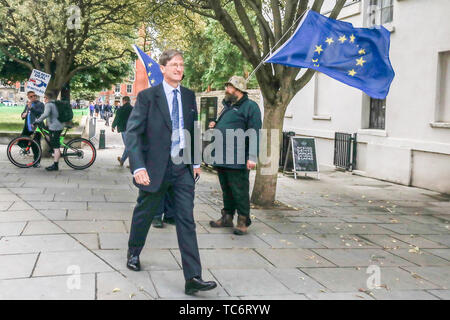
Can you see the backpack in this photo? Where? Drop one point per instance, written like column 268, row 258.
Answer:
column 65, row 113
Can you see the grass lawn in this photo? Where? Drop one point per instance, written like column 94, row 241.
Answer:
column 10, row 119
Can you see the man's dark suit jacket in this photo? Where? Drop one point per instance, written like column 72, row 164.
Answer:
column 149, row 132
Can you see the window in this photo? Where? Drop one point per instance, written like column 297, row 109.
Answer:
column 117, row 90
column 129, row 88
column 380, row 12
column 22, row 87
column 443, row 89
column 377, row 116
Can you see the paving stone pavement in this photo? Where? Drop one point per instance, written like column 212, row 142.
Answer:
column 64, row 236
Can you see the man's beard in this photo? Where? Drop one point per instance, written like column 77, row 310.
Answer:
column 231, row 98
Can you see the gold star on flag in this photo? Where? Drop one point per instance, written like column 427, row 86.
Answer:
column 352, row 39
column 362, row 51
column 360, row 62
column 153, row 81
column 318, row 49
column 150, row 65
column 329, row 41
column 342, row 39
column 149, row 74
column 352, row 72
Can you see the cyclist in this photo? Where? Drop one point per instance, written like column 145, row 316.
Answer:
column 55, row 127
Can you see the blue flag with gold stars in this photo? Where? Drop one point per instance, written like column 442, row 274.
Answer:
column 358, row 57
column 154, row 73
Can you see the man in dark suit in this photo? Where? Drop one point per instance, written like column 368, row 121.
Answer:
column 160, row 130
column 33, row 110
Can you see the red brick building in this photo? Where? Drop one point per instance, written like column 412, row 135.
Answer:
column 137, row 82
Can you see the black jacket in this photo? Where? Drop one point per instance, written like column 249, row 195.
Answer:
column 149, row 133
column 121, row 118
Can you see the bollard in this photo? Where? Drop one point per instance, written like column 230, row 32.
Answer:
column 102, row 140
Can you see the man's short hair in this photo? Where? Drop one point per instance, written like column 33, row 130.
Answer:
column 169, row 55
column 126, row 98
column 51, row 94
column 30, row 92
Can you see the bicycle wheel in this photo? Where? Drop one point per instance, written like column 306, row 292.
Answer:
column 24, row 152
column 79, row 154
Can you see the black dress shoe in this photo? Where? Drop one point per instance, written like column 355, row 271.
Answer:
column 169, row 220
column 133, row 262
column 158, row 222
column 197, row 284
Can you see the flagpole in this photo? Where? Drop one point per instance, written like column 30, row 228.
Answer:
column 270, row 51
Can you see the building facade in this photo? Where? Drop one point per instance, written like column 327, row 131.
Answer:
column 406, row 137
column 137, row 82
column 12, row 93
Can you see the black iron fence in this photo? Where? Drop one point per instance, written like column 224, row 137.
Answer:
column 345, row 151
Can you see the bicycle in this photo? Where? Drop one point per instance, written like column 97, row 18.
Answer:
column 24, row 152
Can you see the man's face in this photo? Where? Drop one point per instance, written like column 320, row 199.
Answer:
column 231, row 93
column 32, row 97
column 174, row 69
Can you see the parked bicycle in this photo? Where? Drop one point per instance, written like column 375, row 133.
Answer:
column 78, row 153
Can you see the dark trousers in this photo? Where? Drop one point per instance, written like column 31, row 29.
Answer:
column 37, row 138
column 179, row 183
column 166, row 207
column 235, row 189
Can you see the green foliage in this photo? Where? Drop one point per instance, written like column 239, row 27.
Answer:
column 211, row 59
column 11, row 70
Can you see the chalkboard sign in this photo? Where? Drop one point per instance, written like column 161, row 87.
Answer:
column 301, row 156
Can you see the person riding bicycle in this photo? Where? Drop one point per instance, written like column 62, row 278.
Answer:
column 54, row 125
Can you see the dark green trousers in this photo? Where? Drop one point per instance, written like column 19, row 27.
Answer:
column 235, row 190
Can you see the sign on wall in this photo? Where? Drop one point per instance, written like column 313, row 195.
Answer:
column 38, row 82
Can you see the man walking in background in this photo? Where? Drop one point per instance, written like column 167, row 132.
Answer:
column 120, row 121
column 32, row 111
column 156, row 140
column 239, row 113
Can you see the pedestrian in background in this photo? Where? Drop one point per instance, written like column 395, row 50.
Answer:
column 91, row 109
column 120, row 121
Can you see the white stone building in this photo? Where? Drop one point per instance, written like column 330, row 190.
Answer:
column 406, row 138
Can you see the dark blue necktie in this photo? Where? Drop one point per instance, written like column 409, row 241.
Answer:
column 175, row 125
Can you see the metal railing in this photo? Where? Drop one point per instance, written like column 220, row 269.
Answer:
column 345, row 151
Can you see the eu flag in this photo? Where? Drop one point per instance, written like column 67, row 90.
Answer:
column 154, row 73
column 358, row 57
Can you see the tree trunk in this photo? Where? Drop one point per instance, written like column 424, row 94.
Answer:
column 265, row 187
column 65, row 92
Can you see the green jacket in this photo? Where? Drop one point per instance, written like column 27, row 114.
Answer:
column 243, row 114
column 121, row 118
